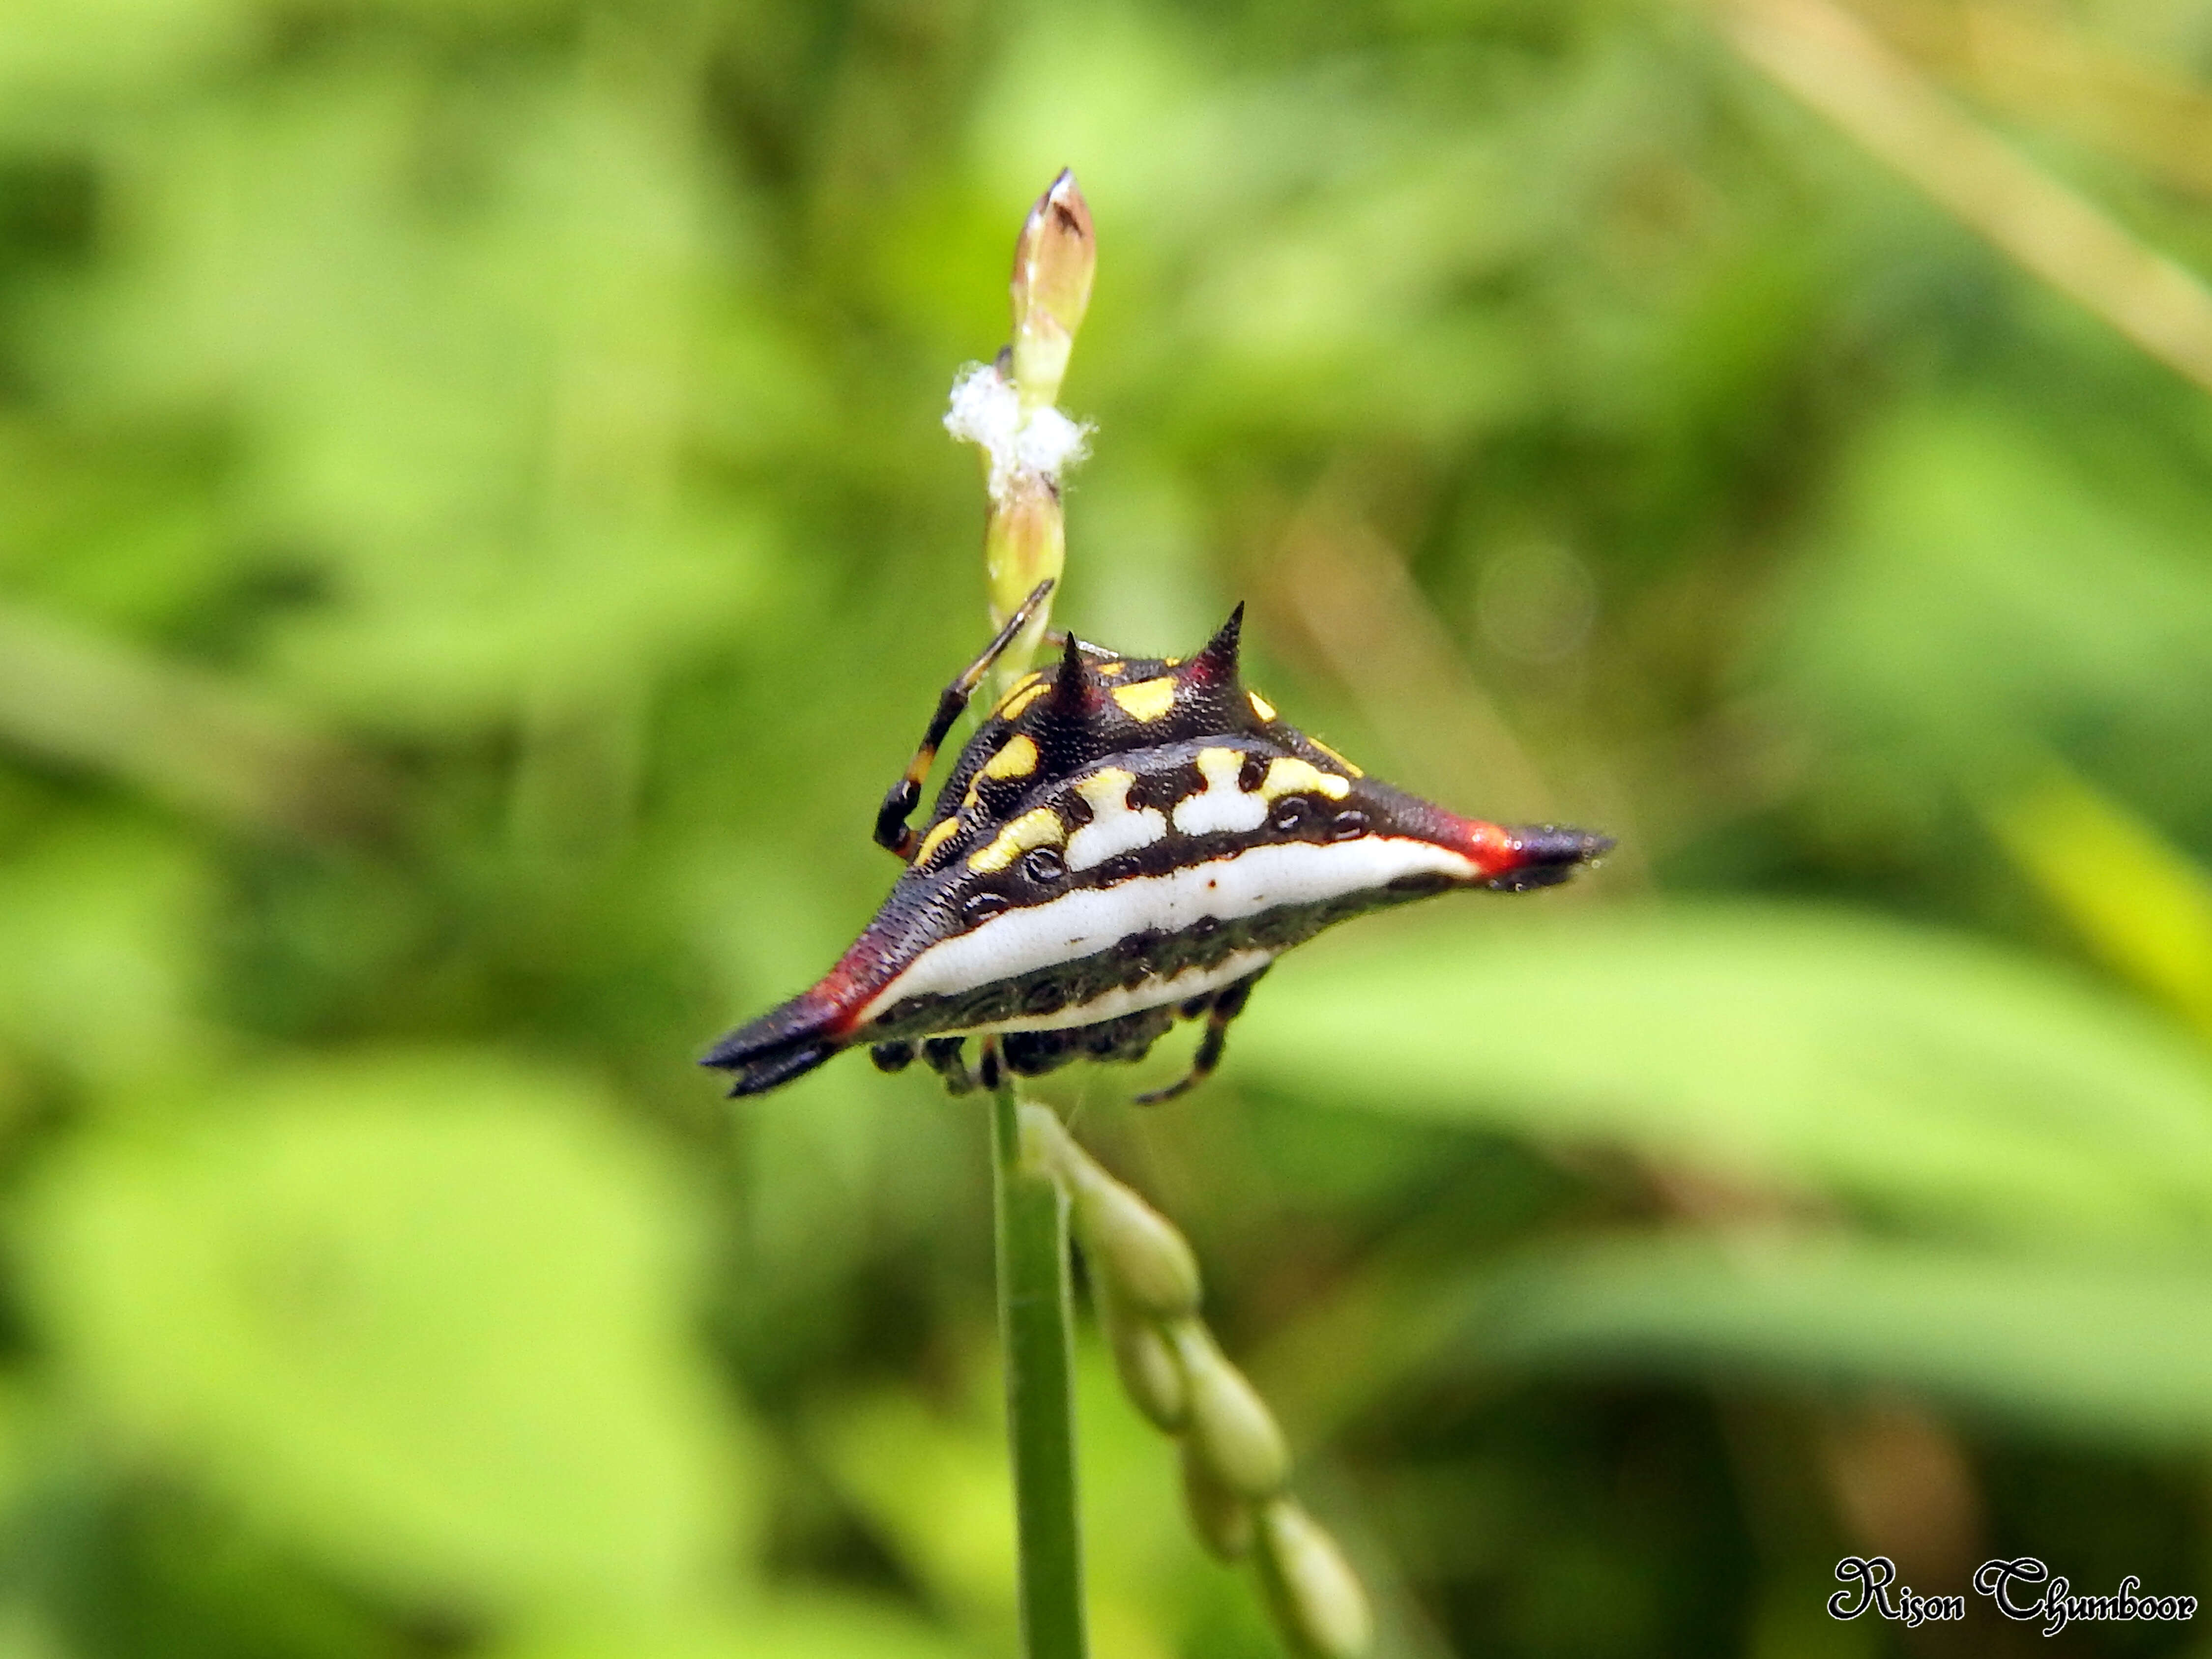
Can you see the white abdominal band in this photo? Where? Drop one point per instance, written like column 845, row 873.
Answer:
column 1091, row 920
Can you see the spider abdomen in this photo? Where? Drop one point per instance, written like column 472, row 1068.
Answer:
column 1121, row 838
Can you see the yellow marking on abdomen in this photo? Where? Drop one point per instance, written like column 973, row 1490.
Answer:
column 934, row 841
column 1147, row 700
column 1017, row 759
column 1260, row 706
column 1113, row 670
column 1027, row 690
column 1016, row 690
column 1219, row 767
column 1106, row 790
column 1292, row 776
column 1040, row 827
column 1338, row 758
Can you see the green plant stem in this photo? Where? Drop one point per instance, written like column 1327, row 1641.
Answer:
column 1035, row 1326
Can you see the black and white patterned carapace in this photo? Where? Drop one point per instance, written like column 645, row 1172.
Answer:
column 1124, row 840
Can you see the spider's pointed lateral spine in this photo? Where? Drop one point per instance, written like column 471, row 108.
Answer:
column 1217, row 663
column 1123, row 839
column 1071, row 693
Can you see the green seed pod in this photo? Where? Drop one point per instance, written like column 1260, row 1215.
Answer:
column 1129, row 1243
column 1222, row 1520
column 1046, row 1146
column 1150, row 1374
column 1316, row 1600
column 1150, row 1264
column 1230, row 1426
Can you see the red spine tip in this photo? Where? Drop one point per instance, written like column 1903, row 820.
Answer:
column 1492, row 848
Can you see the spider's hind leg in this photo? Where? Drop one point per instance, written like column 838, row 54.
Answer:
column 947, row 1057
column 892, row 830
column 1227, row 1003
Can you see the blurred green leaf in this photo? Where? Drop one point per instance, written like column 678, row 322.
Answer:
column 103, row 962
column 1909, row 1069
column 184, row 735
column 935, row 1485
column 1978, row 582
column 120, row 529
column 474, row 416
column 818, row 1626
column 2138, row 901
column 27, row 1633
column 54, row 49
column 2113, row 1352
column 427, row 1316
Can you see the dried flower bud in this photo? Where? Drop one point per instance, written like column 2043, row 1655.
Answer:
column 1316, row 1600
column 1230, row 1426
column 1222, row 1520
column 1053, row 261
column 1150, row 1374
column 1132, row 1245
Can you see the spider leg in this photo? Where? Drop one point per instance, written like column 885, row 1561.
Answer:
column 892, row 830
column 946, row 1056
column 1227, row 1005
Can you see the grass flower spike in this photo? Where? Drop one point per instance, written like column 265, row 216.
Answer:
column 1006, row 407
column 1235, row 1467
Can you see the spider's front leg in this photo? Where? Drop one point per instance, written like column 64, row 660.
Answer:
column 893, row 833
column 1227, row 1003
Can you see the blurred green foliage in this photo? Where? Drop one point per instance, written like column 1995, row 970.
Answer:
column 476, row 541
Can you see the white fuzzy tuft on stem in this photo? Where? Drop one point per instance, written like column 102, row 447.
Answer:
column 1038, row 443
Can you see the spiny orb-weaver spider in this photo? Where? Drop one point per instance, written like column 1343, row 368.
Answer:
column 1123, row 839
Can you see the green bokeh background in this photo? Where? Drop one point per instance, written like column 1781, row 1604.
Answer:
column 476, row 540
